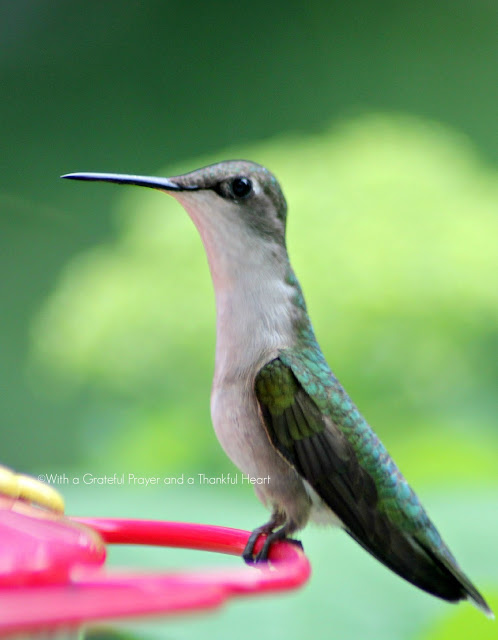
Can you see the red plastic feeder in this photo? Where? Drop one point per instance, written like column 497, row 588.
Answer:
column 52, row 573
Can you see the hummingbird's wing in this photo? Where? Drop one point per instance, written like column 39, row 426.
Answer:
column 314, row 425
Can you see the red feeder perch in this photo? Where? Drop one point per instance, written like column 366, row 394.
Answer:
column 53, row 578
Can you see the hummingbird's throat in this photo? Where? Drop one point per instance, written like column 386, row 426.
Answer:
column 255, row 310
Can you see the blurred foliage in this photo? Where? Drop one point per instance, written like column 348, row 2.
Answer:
column 392, row 231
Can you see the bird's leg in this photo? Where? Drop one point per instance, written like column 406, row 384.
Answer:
column 288, row 528
column 277, row 518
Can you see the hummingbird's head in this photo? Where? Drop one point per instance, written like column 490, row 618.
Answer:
column 247, row 189
column 232, row 194
column 238, row 209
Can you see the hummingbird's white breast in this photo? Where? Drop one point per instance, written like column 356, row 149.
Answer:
column 255, row 318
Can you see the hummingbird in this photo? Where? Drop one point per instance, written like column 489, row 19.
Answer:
column 277, row 409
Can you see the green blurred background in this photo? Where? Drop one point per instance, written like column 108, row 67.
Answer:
column 379, row 119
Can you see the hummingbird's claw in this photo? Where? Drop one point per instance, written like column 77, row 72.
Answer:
column 262, row 556
column 268, row 527
column 248, row 553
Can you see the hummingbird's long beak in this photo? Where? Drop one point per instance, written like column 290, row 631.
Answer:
column 142, row 181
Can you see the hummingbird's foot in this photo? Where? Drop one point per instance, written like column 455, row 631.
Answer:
column 248, row 554
column 273, row 536
column 280, row 534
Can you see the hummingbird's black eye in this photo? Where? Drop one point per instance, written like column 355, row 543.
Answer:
column 240, row 187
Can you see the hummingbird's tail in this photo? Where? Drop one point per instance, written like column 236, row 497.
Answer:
column 467, row 589
column 433, row 570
